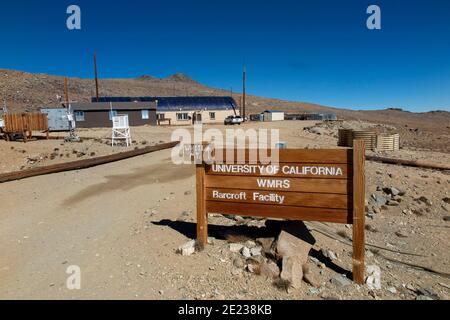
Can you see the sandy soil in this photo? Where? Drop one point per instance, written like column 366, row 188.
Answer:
column 122, row 222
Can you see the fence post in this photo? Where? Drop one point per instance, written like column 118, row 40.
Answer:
column 202, row 216
column 358, row 211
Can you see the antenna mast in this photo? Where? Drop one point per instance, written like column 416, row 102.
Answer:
column 244, row 78
column 96, row 76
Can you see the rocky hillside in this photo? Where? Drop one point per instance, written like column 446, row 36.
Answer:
column 28, row 92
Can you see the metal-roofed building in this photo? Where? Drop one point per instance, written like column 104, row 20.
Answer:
column 184, row 110
column 99, row 114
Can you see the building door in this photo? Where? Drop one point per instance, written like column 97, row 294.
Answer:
column 196, row 118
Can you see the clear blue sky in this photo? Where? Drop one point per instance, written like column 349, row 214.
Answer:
column 316, row 51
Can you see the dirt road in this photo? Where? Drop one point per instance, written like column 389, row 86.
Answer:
column 91, row 219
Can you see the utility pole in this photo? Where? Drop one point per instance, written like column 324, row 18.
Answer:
column 66, row 91
column 5, row 109
column 243, row 93
column 96, row 76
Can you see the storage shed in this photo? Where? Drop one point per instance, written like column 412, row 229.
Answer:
column 273, row 115
column 57, row 119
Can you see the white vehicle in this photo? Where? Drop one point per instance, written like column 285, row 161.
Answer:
column 233, row 120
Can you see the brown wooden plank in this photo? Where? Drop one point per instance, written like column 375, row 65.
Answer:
column 358, row 211
column 202, row 216
column 296, row 199
column 291, row 170
column 336, row 156
column 296, row 184
column 289, row 213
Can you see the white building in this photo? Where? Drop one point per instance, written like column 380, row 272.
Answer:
column 273, row 115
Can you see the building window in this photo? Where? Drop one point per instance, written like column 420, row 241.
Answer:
column 161, row 116
column 79, row 115
column 145, row 114
column 182, row 116
column 112, row 113
column 212, row 115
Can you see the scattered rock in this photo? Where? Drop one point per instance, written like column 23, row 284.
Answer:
column 401, row 234
column 340, row 281
column 428, row 293
column 238, row 263
column 370, row 228
column 446, row 200
column 446, row 218
column 391, row 191
column 254, row 267
column 256, row 251
column 246, row 252
column 393, row 203
column 236, row 247
column 187, row 193
column 376, row 210
column 270, row 269
column 187, row 249
column 250, row 244
column 310, row 278
column 267, row 245
column 392, row 290
column 316, row 130
column 425, row 200
column 373, row 280
column 329, row 254
column 379, row 200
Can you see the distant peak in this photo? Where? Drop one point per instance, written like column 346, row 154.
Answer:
column 180, row 77
column 145, row 77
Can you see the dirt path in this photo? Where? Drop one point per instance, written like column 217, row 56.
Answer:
column 87, row 218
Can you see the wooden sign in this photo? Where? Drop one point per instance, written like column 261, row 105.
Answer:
column 308, row 185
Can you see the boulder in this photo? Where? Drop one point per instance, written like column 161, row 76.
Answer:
column 295, row 240
column 291, row 246
column 292, row 271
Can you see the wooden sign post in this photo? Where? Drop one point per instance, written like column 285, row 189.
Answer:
column 309, row 185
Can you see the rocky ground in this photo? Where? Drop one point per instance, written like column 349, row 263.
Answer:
column 127, row 225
